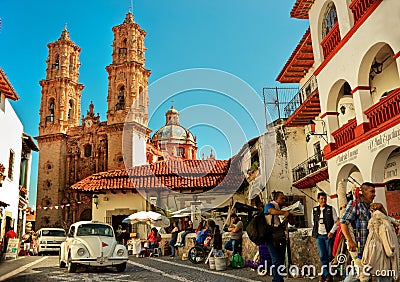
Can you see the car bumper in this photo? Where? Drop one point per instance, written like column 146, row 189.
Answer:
column 48, row 248
column 95, row 262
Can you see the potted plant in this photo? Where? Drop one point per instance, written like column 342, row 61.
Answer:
column 253, row 168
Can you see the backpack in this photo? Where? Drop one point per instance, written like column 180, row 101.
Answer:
column 258, row 230
column 237, row 261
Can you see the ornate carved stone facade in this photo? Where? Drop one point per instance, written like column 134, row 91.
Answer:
column 69, row 152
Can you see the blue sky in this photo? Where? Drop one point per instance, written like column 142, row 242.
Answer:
column 249, row 41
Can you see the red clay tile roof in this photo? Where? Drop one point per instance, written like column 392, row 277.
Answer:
column 301, row 8
column 302, row 59
column 6, row 87
column 173, row 174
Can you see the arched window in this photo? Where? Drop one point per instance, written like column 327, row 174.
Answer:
column 121, row 99
column 330, row 18
column 70, row 109
column 71, row 63
column 123, row 49
column 50, row 117
column 56, row 64
column 88, row 150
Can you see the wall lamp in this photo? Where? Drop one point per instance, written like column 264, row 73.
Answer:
column 345, row 106
column 376, row 67
column 311, row 130
column 95, row 199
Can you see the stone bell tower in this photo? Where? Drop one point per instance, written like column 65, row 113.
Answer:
column 127, row 75
column 60, row 110
column 60, row 105
column 127, row 95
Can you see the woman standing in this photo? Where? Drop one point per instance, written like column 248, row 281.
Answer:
column 174, row 238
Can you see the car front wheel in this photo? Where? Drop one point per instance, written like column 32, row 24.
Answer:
column 71, row 266
column 121, row 267
column 60, row 262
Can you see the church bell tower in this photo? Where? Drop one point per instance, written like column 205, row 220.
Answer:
column 60, row 110
column 127, row 75
column 60, row 106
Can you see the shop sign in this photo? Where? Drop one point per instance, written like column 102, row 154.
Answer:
column 347, row 156
column 383, row 139
column 12, row 248
column 392, row 168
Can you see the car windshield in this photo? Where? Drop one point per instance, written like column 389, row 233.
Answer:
column 53, row 233
column 94, row 230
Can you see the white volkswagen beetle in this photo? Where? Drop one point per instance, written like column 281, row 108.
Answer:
column 92, row 243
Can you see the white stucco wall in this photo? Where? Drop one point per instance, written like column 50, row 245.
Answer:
column 11, row 132
column 380, row 27
column 352, row 63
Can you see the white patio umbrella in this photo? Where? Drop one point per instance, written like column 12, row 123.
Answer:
column 202, row 207
column 152, row 218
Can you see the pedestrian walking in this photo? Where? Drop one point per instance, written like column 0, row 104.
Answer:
column 354, row 224
column 272, row 211
column 324, row 228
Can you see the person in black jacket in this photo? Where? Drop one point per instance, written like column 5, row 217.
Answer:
column 324, row 218
column 174, row 238
column 217, row 237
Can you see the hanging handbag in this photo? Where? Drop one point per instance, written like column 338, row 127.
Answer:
column 278, row 234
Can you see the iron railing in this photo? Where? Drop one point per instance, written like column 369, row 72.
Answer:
column 308, row 167
column 308, row 88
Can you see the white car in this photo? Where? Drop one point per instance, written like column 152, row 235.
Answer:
column 92, row 243
column 49, row 239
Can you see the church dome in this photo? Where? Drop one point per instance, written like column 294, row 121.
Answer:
column 173, row 133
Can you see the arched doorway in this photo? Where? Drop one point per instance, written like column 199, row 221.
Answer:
column 86, row 215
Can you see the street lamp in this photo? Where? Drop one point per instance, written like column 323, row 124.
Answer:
column 95, row 199
column 311, row 130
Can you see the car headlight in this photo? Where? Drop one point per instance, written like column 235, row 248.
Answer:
column 120, row 252
column 81, row 251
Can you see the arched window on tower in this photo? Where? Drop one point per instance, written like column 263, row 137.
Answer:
column 50, row 117
column 121, row 99
column 71, row 63
column 330, row 19
column 70, row 110
column 123, row 49
column 56, row 64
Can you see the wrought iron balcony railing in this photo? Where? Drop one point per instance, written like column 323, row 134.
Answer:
column 308, row 167
column 308, row 88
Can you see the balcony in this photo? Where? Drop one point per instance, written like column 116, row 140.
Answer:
column 309, row 172
column 304, row 106
column 345, row 134
column 361, row 7
column 387, row 109
column 331, row 40
column 382, row 116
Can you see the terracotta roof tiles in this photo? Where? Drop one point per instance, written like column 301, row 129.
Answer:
column 172, row 174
